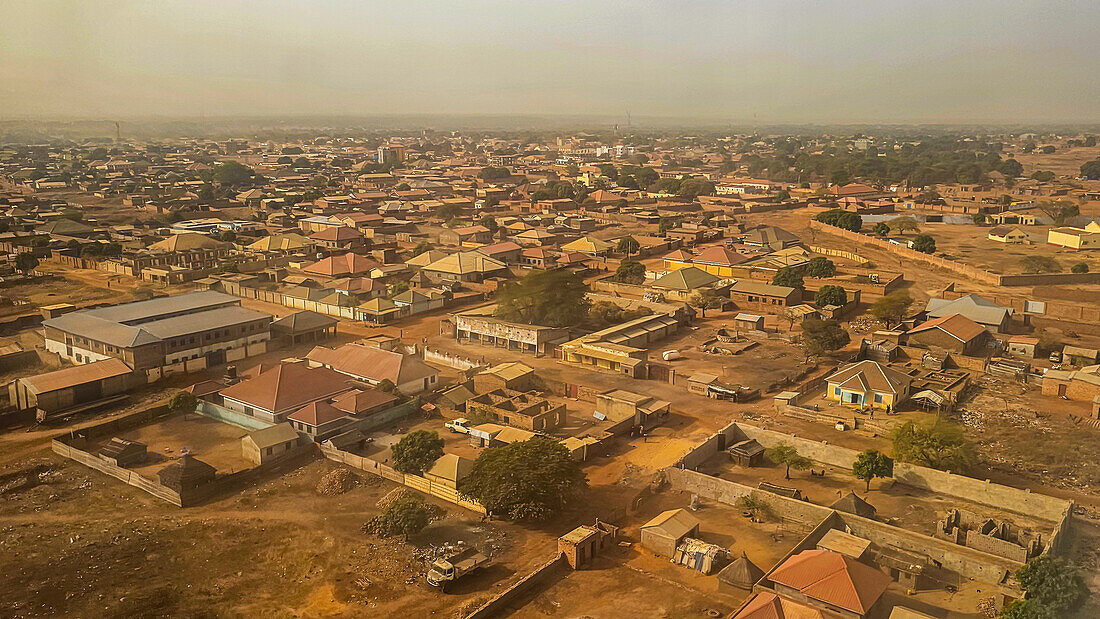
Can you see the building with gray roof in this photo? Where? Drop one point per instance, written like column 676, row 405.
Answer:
column 168, row 331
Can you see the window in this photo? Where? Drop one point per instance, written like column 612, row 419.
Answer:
column 878, row 398
column 836, row 390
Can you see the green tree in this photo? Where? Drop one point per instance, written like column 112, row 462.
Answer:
column 629, row 272
column 942, row 445
column 822, row 336
column 820, row 267
column 892, row 307
column 871, row 464
column 402, row 187
column 386, row 386
column 232, row 173
column 183, row 402
column 552, row 298
column 901, row 225
column 830, row 295
column 1080, row 267
column 1011, row 167
column 448, row 212
column 841, row 219
column 489, row 222
column 25, row 262
column 978, row 219
column 1091, row 169
column 526, row 480
column 707, row 299
column 490, row 173
column 1043, row 176
column 417, row 451
column 881, row 229
column 397, row 288
column 924, row 243
column 627, row 245
column 422, row 247
column 1052, row 587
column 405, row 516
column 72, row 213
column 928, row 197
column 1040, row 264
column 1058, row 210
column 789, row 277
column 694, row 187
column 786, row 455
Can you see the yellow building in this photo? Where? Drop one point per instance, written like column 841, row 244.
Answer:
column 1008, row 234
column 868, row 384
column 1075, row 238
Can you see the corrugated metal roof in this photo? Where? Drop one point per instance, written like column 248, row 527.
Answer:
column 76, row 375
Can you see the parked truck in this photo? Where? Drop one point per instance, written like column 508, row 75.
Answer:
column 460, row 425
column 447, row 570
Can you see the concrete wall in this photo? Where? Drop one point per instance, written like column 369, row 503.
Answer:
column 967, row 562
column 965, row 270
column 543, row 575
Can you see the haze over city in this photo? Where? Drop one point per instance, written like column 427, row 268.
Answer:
column 484, row 310
column 787, row 61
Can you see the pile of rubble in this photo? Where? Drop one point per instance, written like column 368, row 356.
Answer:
column 337, row 482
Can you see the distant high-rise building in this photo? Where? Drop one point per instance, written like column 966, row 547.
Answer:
column 391, row 153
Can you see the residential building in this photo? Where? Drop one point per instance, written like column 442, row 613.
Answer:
column 519, row 409
column 373, row 365
column 995, row 318
column 481, row 326
column 759, row 296
column 953, row 333
column 1008, row 234
column 868, row 384
column 273, row 394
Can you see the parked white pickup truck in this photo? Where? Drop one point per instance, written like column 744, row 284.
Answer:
column 460, row 425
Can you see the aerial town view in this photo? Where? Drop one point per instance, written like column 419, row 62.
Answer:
column 594, row 310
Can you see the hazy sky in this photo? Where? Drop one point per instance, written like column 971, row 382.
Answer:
column 731, row 60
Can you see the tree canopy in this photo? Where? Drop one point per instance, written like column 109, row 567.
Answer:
column 1052, row 588
column 551, row 298
column 629, row 272
column 924, row 243
column 942, row 445
column 417, row 451
column 232, row 173
column 405, row 516
column 892, row 307
column 820, row 267
column 841, row 219
column 789, row 277
column 627, row 245
column 881, row 229
column 822, row 336
column 707, row 299
column 1091, row 169
column 830, row 295
column 491, row 173
column 786, row 455
column 25, row 262
column 904, row 224
column 527, row 480
column 1040, row 264
column 1080, row 267
column 871, row 464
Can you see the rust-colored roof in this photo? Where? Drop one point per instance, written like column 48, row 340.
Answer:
column 288, row 386
column 771, row 606
column 679, row 254
column 342, row 265
column 374, row 364
column 359, row 400
column 833, row 578
column 337, row 233
column 317, row 414
column 720, row 256
column 76, row 375
column 956, row 325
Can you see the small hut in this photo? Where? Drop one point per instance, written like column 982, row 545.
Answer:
column 124, row 453
column 852, row 504
column 742, row 573
column 187, row 473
